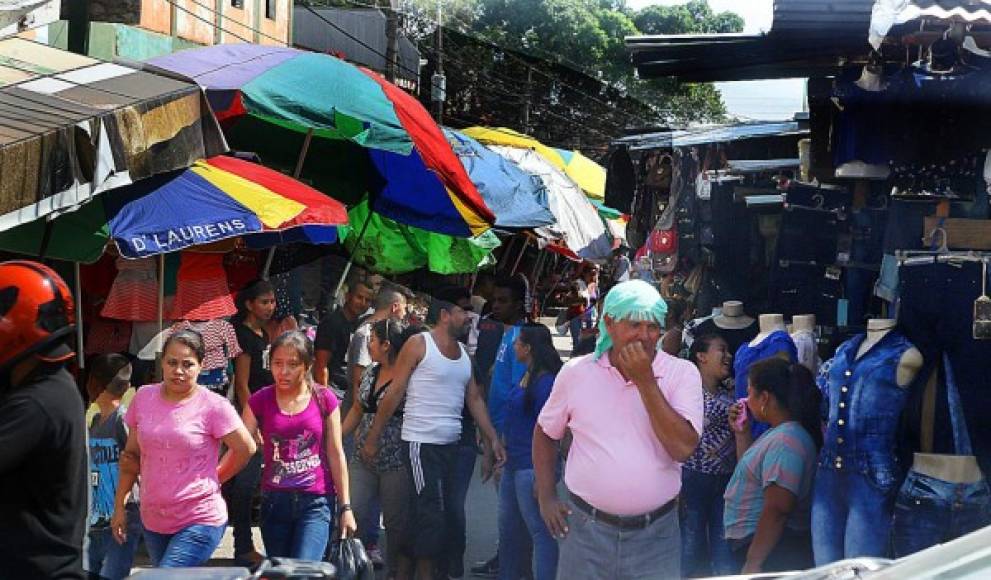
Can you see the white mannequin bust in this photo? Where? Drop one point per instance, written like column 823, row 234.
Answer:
column 801, row 322
column 732, row 317
column 872, row 79
column 769, row 323
column 910, row 363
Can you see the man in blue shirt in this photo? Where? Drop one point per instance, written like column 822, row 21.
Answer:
column 496, row 361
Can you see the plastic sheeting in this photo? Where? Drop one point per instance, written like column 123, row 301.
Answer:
column 578, row 222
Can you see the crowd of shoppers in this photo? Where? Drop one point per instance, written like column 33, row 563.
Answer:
column 660, row 474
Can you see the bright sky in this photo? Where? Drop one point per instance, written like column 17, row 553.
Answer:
column 776, row 99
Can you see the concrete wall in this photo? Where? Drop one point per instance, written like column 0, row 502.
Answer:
column 196, row 20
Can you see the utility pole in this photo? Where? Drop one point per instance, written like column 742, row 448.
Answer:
column 438, row 83
column 391, row 40
column 529, row 100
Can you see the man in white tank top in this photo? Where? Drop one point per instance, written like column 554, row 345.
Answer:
column 434, row 373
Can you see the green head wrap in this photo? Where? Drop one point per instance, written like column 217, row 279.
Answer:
column 633, row 300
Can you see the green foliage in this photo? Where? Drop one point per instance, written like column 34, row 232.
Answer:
column 589, row 35
column 695, row 17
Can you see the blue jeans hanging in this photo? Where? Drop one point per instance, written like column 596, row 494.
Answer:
column 929, row 510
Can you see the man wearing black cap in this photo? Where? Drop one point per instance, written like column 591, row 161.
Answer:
column 43, row 465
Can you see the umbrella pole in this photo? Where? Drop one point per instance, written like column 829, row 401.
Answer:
column 357, row 245
column 296, row 173
column 79, row 316
column 161, row 294
column 268, row 262
column 526, row 242
column 504, row 259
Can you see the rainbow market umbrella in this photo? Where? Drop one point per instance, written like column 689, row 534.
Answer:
column 518, row 199
column 215, row 199
column 421, row 181
column 577, row 222
column 587, row 174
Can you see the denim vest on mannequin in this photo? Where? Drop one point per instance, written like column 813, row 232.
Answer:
column 865, row 406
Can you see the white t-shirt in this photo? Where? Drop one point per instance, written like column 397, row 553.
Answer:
column 435, row 396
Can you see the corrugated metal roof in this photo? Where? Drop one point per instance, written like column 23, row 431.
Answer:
column 824, row 17
column 808, row 38
column 710, row 134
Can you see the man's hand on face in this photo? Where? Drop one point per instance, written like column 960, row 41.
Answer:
column 636, row 363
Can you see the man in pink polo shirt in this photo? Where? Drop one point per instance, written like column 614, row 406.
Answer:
column 635, row 413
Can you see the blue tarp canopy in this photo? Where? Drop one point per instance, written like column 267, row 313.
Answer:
column 518, row 199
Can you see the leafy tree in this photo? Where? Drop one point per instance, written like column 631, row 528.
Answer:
column 589, row 36
column 695, row 17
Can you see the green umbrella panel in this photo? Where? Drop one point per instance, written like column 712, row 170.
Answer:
column 390, row 248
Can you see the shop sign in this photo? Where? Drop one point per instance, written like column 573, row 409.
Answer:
column 175, row 239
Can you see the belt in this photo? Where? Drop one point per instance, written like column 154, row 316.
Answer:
column 624, row 522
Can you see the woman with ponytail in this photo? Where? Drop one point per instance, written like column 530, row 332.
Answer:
column 519, row 514
column 300, row 427
column 766, row 516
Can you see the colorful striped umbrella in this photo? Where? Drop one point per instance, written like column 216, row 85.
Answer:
column 588, row 174
column 215, row 199
column 424, row 183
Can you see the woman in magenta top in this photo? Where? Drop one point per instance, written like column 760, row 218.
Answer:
column 300, row 424
column 176, row 428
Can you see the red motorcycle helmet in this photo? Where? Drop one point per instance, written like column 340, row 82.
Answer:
column 36, row 313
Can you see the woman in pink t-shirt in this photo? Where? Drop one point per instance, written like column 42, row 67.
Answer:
column 176, row 428
column 300, row 425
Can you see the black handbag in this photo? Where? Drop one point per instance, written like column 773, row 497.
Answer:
column 350, row 560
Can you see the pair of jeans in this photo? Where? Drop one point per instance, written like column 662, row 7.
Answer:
column 808, row 235
column 295, row 524
column 240, row 498
column 594, row 550
column 804, row 288
column 929, row 511
column 519, row 520
column 936, row 313
column 108, row 559
column 190, row 547
column 733, row 233
column 851, row 516
column 866, row 252
column 704, row 549
column 457, row 539
column 384, row 492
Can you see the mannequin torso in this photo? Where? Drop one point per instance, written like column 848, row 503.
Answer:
column 910, row 362
column 803, row 322
column 769, row 323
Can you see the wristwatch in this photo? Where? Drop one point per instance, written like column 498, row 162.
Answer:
column 345, row 507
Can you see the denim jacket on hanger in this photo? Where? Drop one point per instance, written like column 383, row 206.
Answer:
column 865, row 406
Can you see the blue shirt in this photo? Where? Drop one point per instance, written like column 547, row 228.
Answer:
column 777, row 342
column 521, row 421
column 506, row 372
